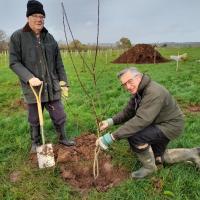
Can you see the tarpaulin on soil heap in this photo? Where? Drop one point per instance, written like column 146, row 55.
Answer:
column 141, row 53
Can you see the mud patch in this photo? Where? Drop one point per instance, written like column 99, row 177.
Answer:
column 33, row 161
column 76, row 166
column 141, row 53
column 193, row 108
column 15, row 176
column 19, row 104
column 157, row 184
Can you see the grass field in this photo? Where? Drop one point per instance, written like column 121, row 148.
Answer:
column 180, row 181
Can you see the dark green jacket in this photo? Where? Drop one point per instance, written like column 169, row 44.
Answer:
column 30, row 57
column 152, row 105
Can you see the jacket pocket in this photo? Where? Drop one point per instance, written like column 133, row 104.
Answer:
column 25, row 88
column 56, row 85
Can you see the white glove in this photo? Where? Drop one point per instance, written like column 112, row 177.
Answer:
column 103, row 125
column 101, row 144
column 35, row 81
column 104, row 141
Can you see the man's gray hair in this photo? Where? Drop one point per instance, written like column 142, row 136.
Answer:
column 134, row 71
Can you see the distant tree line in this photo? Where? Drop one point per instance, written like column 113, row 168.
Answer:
column 123, row 43
column 75, row 45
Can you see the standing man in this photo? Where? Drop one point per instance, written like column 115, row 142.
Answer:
column 150, row 120
column 35, row 58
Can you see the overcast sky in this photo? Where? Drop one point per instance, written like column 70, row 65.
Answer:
column 142, row 21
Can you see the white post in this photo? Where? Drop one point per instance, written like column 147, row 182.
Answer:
column 0, row 58
column 177, row 62
column 5, row 59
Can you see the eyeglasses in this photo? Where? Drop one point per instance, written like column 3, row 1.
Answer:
column 129, row 82
column 35, row 16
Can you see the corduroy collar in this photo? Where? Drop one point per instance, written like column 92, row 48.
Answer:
column 144, row 82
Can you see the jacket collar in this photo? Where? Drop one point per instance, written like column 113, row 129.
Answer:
column 27, row 28
column 144, row 82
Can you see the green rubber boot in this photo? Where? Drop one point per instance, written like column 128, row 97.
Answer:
column 62, row 139
column 35, row 137
column 148, row 161
column 182, row 155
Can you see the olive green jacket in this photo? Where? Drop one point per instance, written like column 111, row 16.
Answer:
column 152, row 105
column 31, row 57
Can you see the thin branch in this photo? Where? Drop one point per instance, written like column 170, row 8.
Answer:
column 77, row 74
column 64, row 13
column 97, row 45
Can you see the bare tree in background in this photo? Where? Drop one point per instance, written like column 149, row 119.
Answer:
column 3, row 41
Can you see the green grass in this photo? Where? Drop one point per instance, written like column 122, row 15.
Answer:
column 179, row 181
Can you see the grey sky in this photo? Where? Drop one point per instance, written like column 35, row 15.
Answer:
column 142, row 21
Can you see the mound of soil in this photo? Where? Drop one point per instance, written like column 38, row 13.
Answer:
column 76, row 166
column 141, row 53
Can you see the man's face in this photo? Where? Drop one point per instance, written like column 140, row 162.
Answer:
column 36, row 22
column 130, row 83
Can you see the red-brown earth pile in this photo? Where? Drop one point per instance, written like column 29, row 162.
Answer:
column 141, row 53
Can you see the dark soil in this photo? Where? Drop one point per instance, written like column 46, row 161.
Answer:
column 139, row 54
column 76, row 166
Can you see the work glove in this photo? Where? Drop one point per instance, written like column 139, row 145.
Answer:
column 64, row 89
column 34, row 81
column 103, row 125
column 104, row 141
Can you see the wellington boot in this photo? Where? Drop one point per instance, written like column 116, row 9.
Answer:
column 62, row 139
column 182, row 155
column 147, row 159
column 35, row 137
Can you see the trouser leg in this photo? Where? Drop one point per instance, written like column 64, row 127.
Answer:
column 152, row 136
column 35, row 138
column 33, row 120
column 58, row 116
column 148, row 144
